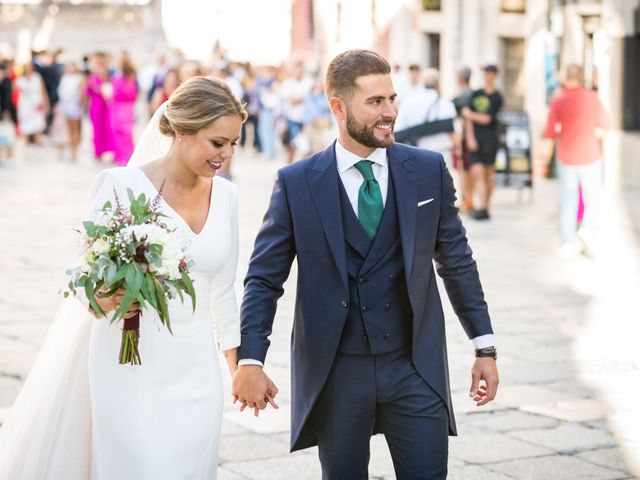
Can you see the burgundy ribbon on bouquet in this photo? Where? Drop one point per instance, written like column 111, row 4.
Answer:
column 132, row 323
column 129, row 353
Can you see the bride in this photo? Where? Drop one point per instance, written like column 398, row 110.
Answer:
column 82, row 415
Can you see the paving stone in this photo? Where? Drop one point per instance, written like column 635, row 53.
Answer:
column 462, row 404
column 514, row 372
column 269, row 421
column 224, row 474
column 606, row 457
column 230, row 428
column 292, row 467
column 566, row 438
column 503, row 421
column 575, row 387
column 520, row 395
column 556, row 468
column 480, row 448
column 475, row 472
column 570, row 410
column 240, row 448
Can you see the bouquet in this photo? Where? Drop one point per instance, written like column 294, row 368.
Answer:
column 132, row 249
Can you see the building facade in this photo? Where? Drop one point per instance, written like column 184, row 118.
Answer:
column 531, row 41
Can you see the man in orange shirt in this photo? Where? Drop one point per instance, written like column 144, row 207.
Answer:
column 577, row 122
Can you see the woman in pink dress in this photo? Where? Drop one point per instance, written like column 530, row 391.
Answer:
column 100, row 93
column 125, row 91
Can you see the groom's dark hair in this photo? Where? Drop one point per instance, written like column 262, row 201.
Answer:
column 344, row 70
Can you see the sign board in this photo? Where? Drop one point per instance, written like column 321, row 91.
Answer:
column 513, row 161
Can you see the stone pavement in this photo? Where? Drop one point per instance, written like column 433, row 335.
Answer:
column 566, row 337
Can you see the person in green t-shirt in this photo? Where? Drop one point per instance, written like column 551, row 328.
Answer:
column 482, row 139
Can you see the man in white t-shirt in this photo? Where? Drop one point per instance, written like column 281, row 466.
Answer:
column 423, row 104
column 293, row 91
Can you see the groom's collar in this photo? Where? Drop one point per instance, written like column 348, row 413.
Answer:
column 347, row 159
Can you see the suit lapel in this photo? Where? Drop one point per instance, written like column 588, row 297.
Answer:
column 324, row 185
column 402, row 169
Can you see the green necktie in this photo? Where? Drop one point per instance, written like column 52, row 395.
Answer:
column 370, row 204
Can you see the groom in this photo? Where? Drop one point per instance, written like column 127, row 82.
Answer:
column 365, row 218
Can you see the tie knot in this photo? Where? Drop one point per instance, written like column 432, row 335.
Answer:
column 364, row 167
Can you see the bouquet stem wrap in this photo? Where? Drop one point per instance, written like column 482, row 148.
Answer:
column 129, row 353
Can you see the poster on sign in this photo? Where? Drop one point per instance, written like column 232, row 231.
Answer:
column 513, row 161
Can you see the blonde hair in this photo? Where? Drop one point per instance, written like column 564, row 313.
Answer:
column 196, row 104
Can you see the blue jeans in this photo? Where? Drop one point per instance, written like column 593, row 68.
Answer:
column 590, row 178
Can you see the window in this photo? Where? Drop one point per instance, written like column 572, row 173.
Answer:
column 513, row 6
column 431, row 4
column 433, row 50
column 513, row 72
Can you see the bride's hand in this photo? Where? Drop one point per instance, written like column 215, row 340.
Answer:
column 110, row 304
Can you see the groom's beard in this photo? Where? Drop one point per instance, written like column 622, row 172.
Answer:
column 365, row 135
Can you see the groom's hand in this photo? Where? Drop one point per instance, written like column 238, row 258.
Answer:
column 253, row 388
column 484, row 381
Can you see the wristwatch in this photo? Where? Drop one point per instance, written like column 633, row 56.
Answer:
column 487, row 352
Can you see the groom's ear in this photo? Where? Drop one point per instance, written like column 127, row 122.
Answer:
column 338, row 107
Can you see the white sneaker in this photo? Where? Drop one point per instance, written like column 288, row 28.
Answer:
column 587, row 244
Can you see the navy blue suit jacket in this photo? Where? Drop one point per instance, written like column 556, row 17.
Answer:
column 304, row 221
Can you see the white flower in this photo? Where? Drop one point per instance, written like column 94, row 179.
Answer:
column 87, row 260
column 173, row 248
column 100, row 246
column 103, row 218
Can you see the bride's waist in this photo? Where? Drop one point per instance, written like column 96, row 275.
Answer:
column 183, row 318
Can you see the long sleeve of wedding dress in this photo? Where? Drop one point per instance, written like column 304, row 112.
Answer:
column 224, row 307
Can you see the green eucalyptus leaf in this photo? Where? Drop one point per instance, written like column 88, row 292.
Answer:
column 90, row 228
column 188, row 284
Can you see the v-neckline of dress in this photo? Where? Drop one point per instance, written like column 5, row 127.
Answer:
column 168, row 205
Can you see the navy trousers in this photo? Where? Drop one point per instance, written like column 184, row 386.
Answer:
column 386, row 391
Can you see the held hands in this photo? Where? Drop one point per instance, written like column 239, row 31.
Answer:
column 253, row 388
column 109, row 304
column 484, row 381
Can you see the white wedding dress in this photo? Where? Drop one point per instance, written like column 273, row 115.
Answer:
column 82, row 415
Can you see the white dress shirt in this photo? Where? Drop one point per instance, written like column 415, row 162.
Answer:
column 352, row 180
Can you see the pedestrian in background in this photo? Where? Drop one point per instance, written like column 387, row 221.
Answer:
column 425, row 104
column 7, row 114
column 100, row 93
column 170, row 82
column 251, row 101
column 269, row 103
column 577, row 121
column 461, row 154
column 125, row 92
column 33, row 104
column 293, row 92
column 482, row 140
column 71, row 103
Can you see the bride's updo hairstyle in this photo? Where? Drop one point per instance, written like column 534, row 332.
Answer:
column 196, row 104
